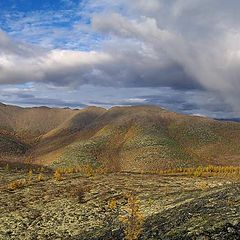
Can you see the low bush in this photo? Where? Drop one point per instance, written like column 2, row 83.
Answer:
column 17, row 184
column 230, row 172
column 80, row 192
column 30, row 175
column 133, row 219
column 58, row 175
column 40, row 177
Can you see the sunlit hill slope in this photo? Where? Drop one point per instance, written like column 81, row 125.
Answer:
column 142, row 138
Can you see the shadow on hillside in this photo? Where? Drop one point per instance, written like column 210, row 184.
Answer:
column 19, row 166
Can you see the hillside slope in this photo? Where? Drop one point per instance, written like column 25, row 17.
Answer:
column 20, row 128
column 142, row 138
column 147, row 138
column 30, row 123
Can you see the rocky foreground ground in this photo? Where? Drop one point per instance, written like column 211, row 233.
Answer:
column 77, row 207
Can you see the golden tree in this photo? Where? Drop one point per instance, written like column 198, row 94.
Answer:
column 133, row 220
column 57, row 175
column 30, row 174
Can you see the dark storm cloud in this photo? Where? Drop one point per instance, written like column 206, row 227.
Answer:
column 189, row 106
column 192, row 101
column 217, row 108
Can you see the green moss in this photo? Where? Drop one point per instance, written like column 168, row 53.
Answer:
column 83, row 152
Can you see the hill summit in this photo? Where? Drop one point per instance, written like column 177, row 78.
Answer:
column 139, row 138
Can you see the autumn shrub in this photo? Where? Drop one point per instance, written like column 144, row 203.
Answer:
column 230, row 172
column 17, row 184
column 112, row 204
column 88, row 170
column 101, row 170
column 133, row 219
column 69, row 170
column 30, row 175
column 84, row 169
column 40, row 170
column 202, row 185
column 58, row 175
column 40, row 177
column 80, row 192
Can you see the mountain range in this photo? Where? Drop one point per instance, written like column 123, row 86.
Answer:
column 136, row 138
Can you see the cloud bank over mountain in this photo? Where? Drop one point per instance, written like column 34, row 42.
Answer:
column 182, row 47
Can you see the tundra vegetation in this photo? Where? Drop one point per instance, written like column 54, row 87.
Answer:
column 120, row 205
column 124, row 173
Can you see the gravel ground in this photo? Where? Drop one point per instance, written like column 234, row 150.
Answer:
column 173, row 207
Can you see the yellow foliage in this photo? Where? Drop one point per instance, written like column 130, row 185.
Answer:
column 219, row 171
column 133, row 220
column 58, row 175
column 30, row 174
column 101, row 171
column 40, row 177
column 17, row 184
column 69, row 170
column 84, row 169
column 112, row 204
column 88, row 170
column 203, row 185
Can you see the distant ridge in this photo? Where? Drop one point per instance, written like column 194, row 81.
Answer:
column 229, row 119
column 137, row 138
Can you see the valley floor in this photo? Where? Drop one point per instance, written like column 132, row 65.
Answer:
column 80, row 207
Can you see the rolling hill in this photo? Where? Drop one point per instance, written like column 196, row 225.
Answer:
column 141, row 138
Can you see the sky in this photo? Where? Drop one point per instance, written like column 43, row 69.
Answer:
column 183, row 55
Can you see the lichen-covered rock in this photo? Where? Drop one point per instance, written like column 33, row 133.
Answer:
column 173, row 207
